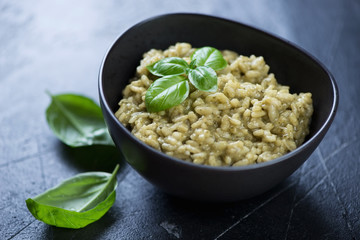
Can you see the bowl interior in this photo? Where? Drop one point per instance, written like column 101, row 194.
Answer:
column 290, row 65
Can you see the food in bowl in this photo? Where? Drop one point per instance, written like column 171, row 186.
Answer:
column 250, row 119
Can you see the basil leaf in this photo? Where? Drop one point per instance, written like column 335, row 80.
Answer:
column 204, row 78
column 77, row 121
column 209, row 57
column 166, row 92
column 76, row 202
column 168, row 66
column 192, row 64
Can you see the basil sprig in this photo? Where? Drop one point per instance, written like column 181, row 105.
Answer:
column 77, row 201
column 173, row 88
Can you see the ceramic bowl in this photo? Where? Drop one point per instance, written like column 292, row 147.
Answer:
column 290, row 64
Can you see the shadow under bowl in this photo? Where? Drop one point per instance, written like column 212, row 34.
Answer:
column 291, row 66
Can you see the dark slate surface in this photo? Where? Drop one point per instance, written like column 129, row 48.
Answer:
column 59, row 45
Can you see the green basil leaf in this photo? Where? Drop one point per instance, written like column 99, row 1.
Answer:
column 77, row 121
column 76, row 202
column 166, row 92
column 192, row 64
column 168, row 66
column 203, row 78
column 209, row 57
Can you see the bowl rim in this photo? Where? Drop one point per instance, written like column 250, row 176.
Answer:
column 184, row 163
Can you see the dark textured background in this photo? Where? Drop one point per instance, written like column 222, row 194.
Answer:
column 58, row 46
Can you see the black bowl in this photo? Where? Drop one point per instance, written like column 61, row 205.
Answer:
column 291, row 65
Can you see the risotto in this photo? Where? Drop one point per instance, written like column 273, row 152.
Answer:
column 250, row 118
